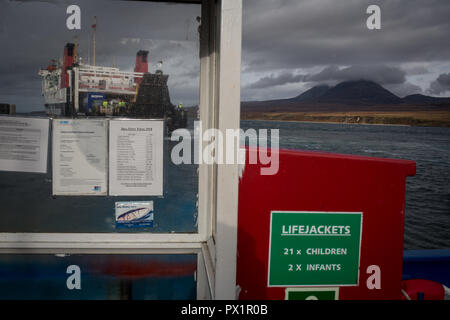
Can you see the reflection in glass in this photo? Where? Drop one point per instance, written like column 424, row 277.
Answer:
column 101, row 276
column 129, row 59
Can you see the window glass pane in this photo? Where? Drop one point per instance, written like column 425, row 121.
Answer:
column 102, row 276
column 129, row 60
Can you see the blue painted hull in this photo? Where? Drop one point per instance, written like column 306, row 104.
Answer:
column 427, row 264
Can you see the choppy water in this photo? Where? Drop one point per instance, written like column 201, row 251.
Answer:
column 427, row 211
column 27, row 204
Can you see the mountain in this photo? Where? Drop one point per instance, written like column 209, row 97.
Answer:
column 350, row 92
column 312, row 94
column 348, row 96
column 361, row 92
column 422, row 99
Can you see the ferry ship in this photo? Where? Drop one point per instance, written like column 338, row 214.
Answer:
column 71, row 88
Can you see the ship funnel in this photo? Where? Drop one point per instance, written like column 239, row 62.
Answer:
column 141, row 63
column 67, row 63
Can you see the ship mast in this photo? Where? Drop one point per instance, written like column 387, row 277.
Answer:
column 94, row 26
column 75, row 49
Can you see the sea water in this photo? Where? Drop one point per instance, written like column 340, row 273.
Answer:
column 427, row 208
column 27, row 204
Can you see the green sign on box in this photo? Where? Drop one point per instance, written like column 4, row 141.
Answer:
column 314, row 248
column 312, row 293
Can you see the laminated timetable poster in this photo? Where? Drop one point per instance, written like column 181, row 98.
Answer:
column 136, row 157
column 23, row 144
column 80, row 148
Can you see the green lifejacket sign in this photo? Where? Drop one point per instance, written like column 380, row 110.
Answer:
column 314, row 248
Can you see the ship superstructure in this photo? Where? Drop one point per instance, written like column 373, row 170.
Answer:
column 72, row 88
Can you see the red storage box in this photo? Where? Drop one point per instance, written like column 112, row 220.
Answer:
column 320, row 198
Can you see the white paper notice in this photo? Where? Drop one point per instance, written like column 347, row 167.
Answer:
column 136, row 157
column 79, row 157
column 23, row 144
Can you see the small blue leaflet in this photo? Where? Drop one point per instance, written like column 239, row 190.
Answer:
column 134, row 214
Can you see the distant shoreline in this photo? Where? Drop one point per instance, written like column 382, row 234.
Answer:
column 330, row 122
column 401, row 118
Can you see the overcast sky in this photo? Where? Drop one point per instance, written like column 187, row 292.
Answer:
column 288, row 45
column 292, row 45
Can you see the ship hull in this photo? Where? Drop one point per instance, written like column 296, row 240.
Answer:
column 55, row 109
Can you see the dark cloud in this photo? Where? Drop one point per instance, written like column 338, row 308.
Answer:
column 441, row 84
column 393, row 77
column 416, row 70
column 293, row 33
column 276, row 80
column 378, row 73
column 403, row 89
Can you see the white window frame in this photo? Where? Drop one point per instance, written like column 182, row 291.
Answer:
column 216, row 238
